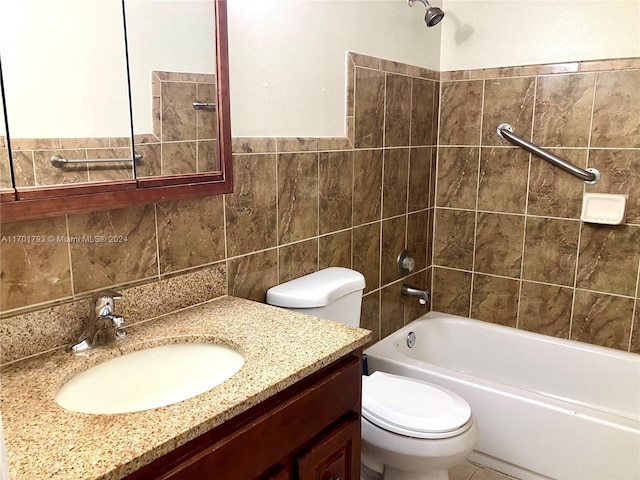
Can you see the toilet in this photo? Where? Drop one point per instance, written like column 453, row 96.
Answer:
column 411, row 430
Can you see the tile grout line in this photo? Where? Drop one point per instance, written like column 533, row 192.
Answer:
column 155, row 222
column 477, row 193
column 581, row 225
column 635, row 314
column 71, row 278
column 526, row 205
column 381, row 215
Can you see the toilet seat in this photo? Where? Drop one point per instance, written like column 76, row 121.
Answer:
column 412, row 407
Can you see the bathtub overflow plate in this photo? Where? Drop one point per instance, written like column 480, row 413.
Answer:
column 411, row 339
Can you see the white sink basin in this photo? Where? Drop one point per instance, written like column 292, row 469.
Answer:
column 149, row 378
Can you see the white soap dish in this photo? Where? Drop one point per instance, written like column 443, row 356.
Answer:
column 603, row 208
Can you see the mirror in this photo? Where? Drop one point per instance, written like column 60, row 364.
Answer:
column 70, row 81
column 66, row 90
column 6, row 183
column 173, row 85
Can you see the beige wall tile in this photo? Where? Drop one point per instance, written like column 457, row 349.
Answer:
column 47, row 174
column 297, row 259
column 545, row 309
column 253, row 145
column 206, row 120
column 616, row 110
column 178, row 115
column 251, row 209
column 335, row 250
column 499, row 244
column 507, row 100
column 395, row 180
column 366, row 254
column 35, row 262
column 297, row 196
column 151, row 162
column 208, row 159
column 563, row 110
column 23, row 168
column 252, row 275
column 503, row 180
column 178, row 158
column 296, row 144
column 420, row 172
column 554, row 192
column 397, row 110
column 391, row 309
column 457, row 182
column 335, row 172
column 418, row 237
column 608, row 259
column 451, row 291
column 367, row 186
column 620, row 170
column 369, row 108
column 5, row 171
column 393, row 243
column 424, row 112
column 190, row 233
column 495, row 299
column 461, row 113
column 602, row 319
column 370, row 315
column 453, row 242
column 550, row 250
column 124, row 248
column 110, row 171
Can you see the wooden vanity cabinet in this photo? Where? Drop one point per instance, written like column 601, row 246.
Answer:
column 309, row 431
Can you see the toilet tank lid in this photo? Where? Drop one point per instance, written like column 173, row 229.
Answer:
column 317, row 289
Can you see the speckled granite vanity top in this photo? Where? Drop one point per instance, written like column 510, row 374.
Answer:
column 45, row 441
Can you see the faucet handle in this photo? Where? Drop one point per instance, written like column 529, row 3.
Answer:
column 103, row 302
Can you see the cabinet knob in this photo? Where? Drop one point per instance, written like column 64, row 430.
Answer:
column 335, row 478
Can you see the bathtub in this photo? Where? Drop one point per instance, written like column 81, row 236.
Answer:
column 545, row 407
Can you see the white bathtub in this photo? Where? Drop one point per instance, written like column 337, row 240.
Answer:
column 546, row 407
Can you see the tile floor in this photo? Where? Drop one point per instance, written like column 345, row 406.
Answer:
column 474, row 471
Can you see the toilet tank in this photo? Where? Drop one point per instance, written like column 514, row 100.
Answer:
column 334, row 293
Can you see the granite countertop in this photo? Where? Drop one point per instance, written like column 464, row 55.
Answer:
column 44, row 440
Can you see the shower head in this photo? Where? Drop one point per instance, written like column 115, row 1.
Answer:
column 433, row 15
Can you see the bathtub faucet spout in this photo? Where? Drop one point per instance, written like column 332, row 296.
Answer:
column 409, row 291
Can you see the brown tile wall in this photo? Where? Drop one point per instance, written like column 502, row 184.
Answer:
column 299, row 204
column 508, row 244
column 507, row 247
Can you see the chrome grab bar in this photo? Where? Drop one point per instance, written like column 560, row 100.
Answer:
column 198, row 105
column 59, row 161
column 590, row 176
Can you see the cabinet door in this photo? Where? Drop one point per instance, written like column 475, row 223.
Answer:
column 336, row 456
column 278, row 473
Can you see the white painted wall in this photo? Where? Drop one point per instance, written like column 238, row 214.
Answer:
column 64, row 65
column 53, row 95
column 288, row 58
column 497, row 33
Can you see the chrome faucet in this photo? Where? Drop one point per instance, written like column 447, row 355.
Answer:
column 103, row 326
column 409, row 291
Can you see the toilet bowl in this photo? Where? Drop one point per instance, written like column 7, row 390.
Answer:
column 411, row 430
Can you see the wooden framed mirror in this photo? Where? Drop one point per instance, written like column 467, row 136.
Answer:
column 133, row 116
